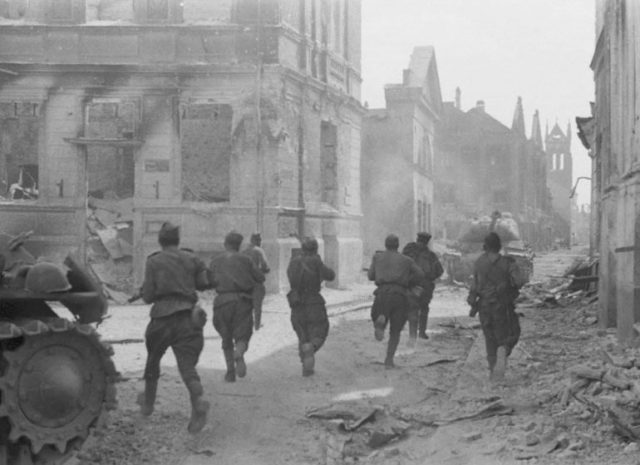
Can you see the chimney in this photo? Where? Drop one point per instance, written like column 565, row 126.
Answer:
column 480, row 105
column 458, row 96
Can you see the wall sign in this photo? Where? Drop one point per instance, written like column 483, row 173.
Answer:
column 156, row 166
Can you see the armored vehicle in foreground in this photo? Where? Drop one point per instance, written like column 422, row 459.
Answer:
column 56, row 376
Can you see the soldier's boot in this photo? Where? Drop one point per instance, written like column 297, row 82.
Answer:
column 241, row 366
column 147, row 399
column 501, row 364
column 230, row 376
column 308, row 359
column 379, row 325
column 422, row 328
column 413, row 334
column 199, row 410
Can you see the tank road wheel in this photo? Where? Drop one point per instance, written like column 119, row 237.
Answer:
column 56, row 378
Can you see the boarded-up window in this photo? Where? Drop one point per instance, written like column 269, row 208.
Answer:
column 110, row 168
column 206, row 151
column 329, row 163
column 19, row 129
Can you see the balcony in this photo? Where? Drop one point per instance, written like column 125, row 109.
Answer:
column 133, row 45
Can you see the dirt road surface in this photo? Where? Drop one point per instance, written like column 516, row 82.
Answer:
column 414, row 414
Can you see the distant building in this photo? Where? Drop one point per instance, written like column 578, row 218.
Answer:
column 216, row 115
column 398, row 155
column 560, row 178
column 483, row 165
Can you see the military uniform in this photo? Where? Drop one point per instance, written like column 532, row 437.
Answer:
column 421, row 295
column 308, row 312
column 496, row 280
column 172, row 277
column 234, row 278
column 259, row 259
column 393, row 274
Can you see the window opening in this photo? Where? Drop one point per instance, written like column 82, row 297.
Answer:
column 206, row 135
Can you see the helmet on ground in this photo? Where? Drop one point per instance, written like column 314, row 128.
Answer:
column 46, row 278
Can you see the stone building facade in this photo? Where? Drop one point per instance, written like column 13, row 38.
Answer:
column 398, row 155
column 483, row 165
column 615, row 148
column 216, row 115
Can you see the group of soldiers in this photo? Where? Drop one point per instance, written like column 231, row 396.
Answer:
column 174, row 275
column 405, row 284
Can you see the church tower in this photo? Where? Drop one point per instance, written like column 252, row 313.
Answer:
column 560, row 176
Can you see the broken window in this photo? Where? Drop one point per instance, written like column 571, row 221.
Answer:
column 19, row 130
column 206, row 151
column 111, row 168
column 329, row 163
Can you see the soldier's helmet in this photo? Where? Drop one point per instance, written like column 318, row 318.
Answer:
column 492, row 242
column 46, row 278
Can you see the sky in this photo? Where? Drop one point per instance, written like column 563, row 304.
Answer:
column 494, row 50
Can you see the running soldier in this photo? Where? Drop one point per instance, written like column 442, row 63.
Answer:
column 421, row 295
column 172, row 277
column 259, row 258
column 308, row 312
column 496, row 283
column 394, row 274
column 234, row 277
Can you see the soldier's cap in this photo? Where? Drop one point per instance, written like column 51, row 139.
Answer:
column 424, row 237
column 233, row 240
column 255, row 237
column 169, row 233
column 309, row 244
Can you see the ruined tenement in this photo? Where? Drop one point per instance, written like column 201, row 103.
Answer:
column 614, row 147
column 215, row 115
column 398, row 155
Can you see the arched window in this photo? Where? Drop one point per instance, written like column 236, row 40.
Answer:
column 561, row 162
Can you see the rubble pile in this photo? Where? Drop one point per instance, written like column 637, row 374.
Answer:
column 109, row 245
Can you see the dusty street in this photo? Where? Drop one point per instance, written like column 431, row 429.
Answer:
column 276, row 416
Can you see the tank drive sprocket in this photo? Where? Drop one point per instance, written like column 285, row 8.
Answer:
column 56, row 379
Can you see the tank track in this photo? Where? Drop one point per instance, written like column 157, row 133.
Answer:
column 43, row 360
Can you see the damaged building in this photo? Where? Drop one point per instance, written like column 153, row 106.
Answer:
column 215, row 115
column 397, row 164
column 615, row 149
column 483, row 165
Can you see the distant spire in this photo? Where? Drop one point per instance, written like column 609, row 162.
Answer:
column 569, row 134
column 546, row 129
column 518, row 119
column 458, row 98
column 536, row 134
